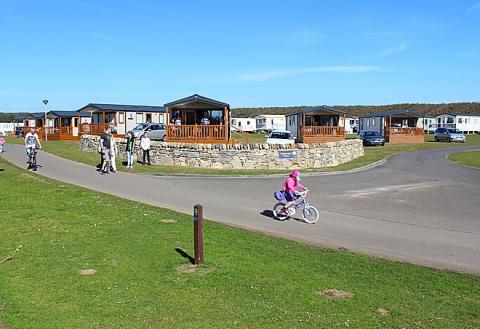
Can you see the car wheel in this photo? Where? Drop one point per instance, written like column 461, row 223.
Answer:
column 164, row 138
column 436, row 139
column 449, row 140
column 383, row 144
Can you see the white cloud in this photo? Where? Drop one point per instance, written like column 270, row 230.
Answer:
column 474, row 7
column 262, row 76
column 394, row 50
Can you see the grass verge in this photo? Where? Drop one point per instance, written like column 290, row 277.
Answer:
column 469, row 159
column 249, row 280
column 71, row 150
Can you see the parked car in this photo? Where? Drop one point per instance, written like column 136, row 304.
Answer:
column 19, row 131
column 371, row 138
column 449, row 135
column 280, row 137
column 3, row 134
column 155, row 131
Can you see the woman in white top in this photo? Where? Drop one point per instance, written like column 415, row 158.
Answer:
column 145, row 145
column 113, row 152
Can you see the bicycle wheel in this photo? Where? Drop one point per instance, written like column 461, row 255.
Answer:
column 310, row 214
column 277, row 212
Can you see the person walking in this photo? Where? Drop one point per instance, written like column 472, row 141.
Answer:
column 145, row 145
column 130, row 148
column 113, row 153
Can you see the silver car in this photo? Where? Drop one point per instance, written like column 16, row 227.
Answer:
column 449, row 135
column 155, row 131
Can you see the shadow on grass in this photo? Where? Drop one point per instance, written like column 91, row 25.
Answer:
column 184, row 254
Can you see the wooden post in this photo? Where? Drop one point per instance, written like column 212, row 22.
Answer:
column 198, row 233
column 226, row 121
column 59, row 127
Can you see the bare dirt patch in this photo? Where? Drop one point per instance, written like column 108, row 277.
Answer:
column 88, row 272
column 190, row 268
column 335, row 293
column 3, row 327
column 168, row 221
column 383, row 312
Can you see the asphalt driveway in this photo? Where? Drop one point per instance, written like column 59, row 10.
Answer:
column 417, row 207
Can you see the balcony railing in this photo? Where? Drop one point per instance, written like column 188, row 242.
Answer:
column 313, row 131
column 59, row 130
column 93, row 128
column 197, row 133
column 410, row 131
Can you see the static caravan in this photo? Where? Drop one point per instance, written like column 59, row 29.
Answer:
column 317, row 125
column 64, row 125
column 350, row 124
column 270, row 122
column 248, row 125
column 198, row 119
column 468, row 124
column 122, row 118
column 400, row 126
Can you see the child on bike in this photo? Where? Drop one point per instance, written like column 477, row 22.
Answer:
column 289, row 188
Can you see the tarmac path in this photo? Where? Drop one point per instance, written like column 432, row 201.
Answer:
column 417, row 207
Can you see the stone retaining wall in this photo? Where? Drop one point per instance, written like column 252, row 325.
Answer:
column 242, row 156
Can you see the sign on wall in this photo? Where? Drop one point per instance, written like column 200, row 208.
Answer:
column 287, row 155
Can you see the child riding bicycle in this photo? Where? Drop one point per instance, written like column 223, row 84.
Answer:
column 290, row 189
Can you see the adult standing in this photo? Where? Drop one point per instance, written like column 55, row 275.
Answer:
column 105, row 144
column 145, row 145
column 130, row 148
column 113, row 153
column 205, row 120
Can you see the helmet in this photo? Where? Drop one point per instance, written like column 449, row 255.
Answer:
column 296, row 174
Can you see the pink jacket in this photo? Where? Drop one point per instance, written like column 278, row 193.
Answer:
column 290, row 185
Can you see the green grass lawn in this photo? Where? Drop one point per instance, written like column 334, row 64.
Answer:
column 254, row 138
column 71, row 150
column 249, row 280
column 469, row 159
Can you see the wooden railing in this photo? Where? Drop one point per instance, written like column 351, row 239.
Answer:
column 93, row 128
column 197, row 133
column 313, row 131
column 59, row 130
column 405, row 131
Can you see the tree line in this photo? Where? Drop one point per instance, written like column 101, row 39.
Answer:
column 359, row 110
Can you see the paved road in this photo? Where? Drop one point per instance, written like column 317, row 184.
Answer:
column 417, row 207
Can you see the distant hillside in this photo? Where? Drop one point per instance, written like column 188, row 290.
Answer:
column 358, row 110
column 7, row 117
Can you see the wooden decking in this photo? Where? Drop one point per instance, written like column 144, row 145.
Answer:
column 396, row 135
column 62, row 133
column 321, row 134
column 208, row 134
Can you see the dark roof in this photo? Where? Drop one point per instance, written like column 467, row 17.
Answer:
column 391, row 114
column 456, row 114
column 69, row 114
column 197, row 98
column 19, row 117
column 319, row 108
column 35, row 115
column 123, row 108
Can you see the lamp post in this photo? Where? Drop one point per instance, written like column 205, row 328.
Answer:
column 45, row 102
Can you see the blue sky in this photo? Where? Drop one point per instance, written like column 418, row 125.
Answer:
column 246, row 53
